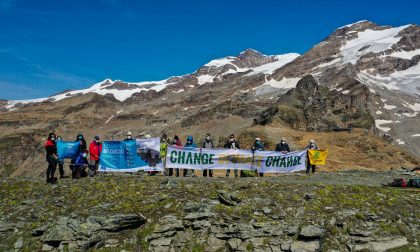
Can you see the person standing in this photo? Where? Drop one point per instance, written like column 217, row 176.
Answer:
column 283, row 147
column 51, row 157
column 206, row 144
column 232, row 143
column 164, row 151
column 83, row 145
column 309, row 166
column 129, row 136
column 191, row 145
column 95, row 149
column 175, row 142
column 257, row 146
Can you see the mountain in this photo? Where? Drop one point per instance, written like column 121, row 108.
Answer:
column 361, row 76
column 248, row 62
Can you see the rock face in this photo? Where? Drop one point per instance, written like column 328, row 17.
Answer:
column 311, row 107
column 87, row 234
column 349, row 211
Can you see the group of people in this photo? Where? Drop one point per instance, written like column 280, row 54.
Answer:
column 80, row 165
column 83, row 165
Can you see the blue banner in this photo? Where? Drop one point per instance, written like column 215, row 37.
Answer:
column 124, row 156
column 67, row 149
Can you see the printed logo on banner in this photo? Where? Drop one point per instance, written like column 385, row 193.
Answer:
column 124, row 156
column 67, row 149
column 317, row 157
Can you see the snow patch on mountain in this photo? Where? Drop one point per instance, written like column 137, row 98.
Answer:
column 407, row 81
column 379, row 123
column 350, row 25
column 221, row 62
column 369, row 41
column 284, row 83
column 206, row 78
column 405, row 54
column 281, row 60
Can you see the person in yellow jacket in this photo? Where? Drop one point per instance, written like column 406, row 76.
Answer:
column 164, row 150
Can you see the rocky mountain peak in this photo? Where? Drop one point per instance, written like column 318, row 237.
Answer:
column 250, row 53
column 252, row 58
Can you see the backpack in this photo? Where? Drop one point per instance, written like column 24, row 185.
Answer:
column 415, row 182
column 399, row 182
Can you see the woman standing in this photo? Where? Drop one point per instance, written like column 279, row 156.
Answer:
column 51, row 151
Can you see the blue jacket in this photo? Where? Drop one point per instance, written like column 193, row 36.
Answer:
column 191, row 143
column 80, row 160
column 257, row 146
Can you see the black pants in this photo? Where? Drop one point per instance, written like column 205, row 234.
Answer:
column 309, row 167
column 171, row 172
column 52, row 166
column 205, row 173
column 235, row 171
column 61, row 169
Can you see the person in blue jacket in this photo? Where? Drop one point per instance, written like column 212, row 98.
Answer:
column 80, row 164
column 189, row 144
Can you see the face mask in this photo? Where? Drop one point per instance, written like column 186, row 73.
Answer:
column 96, row 140
column 129, row 137
column 231, row 140
column 257, row 142
column 189, row 142
column 52, row 139
column 59, row 139
column 207, row 138
column 84, row 155
column 80, row 138
column 283, row 142
column 312, row 144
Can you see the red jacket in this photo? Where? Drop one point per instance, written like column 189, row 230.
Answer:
column 95, row 150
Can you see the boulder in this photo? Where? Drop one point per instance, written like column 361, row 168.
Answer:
column 227, row 198
column 311, row 232
column 381, row 245
column 302, row 246
column 123, row 221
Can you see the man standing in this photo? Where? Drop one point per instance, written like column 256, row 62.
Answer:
column 189, row 144
column 207, row 143
column 95, row 149
column 309, row 166
column 283, row 147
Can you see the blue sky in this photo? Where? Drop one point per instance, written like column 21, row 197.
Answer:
column 47, row 46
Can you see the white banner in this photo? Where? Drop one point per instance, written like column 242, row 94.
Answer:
column 263, row 161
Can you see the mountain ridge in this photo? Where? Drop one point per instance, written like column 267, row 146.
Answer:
column 363, row 82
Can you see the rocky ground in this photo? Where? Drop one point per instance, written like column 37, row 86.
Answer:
column 340, row 211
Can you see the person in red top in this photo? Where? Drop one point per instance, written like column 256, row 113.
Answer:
column 51, row 156
column 95, row 149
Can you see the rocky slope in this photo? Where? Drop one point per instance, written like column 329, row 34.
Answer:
column 364, row 75
column 343, row 211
